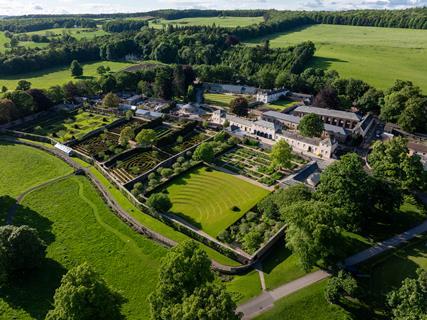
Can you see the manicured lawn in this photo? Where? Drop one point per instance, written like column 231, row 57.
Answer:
column 151, row 222
column 376, row 55
column 74, row 220
column 229, row 22
column 64, row 126
column 206, row 197
column 281, row 105
column 308, row 303
column 244, row 287
column 24, row 167
column 219, row 99
column 50, row 77
column 281, row 266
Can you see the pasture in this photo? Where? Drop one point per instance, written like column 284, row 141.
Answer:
column 47, row 78
column 79, row 227
column 25, row 167
column 212, row 200
column 228, row 22
column 377, row 55
column 78, row 33
column 3, row 40
column 63, row 126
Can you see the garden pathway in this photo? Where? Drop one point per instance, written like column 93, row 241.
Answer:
column 12, row 210
column 266, row 300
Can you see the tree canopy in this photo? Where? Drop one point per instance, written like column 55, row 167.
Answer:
column 311, row 126
column 84, row 295
column 281, row 154
column 239, row 106
column 204, row 152
column 76, row 69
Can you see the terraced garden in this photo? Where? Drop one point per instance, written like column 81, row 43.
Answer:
column 101, row 147
column 254, row 164
column 184, row 142
column 136, row 164
column 212, row 200
column 134, row 123
column 64, row 126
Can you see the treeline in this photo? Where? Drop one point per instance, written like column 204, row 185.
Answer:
column 124, row 25
column 36, row 24
column 32, row 60
column 171, row 14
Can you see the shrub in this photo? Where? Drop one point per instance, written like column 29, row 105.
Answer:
column 159, row 202
column 166, row 172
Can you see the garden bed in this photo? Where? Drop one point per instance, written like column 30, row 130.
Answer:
column 101, row 147
column 135, row 124
column 253, row 163
column 64, row 126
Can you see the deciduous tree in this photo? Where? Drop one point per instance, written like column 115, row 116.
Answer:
column 281, row 154
column 311, row 126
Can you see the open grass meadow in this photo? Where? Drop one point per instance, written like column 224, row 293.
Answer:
column 78, row 33
column 228, row 22
column 308, row 303
column 25, row 167
column 47, row 78
column 212, row 200
column 377, row 55
column 79, row 227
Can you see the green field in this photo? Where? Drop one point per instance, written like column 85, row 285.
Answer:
column 50, row 77
column 79, row 227
column 228, row 22
column 78, row 33
column 308, row 303
column 64, row 126
column 221, row 99
column 205, row 197
column 281, row 105
column 3, row 41
column 25, row 167
column 377, row 55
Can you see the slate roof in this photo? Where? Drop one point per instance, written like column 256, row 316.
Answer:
column 329, row 113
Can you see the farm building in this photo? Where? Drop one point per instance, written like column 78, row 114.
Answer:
column 343, row 119
column 148, row 115
column 267, row 96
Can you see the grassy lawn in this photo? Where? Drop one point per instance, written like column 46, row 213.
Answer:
column 50, row 77
column 377, row 55
column 281, row 105
column 219, row 99
column 205, row 197
column 244, row 287
column 3, row 41
column 308, row 303
column 151, row 222
column 281, row 266
column 229, row 22
column 64, row 126
column 79, row 227
column 24, row 167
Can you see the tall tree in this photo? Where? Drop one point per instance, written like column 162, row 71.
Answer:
column 145, row 137
column 23, row 85
column 76, row 69
column 327, row 98
column 311, row 126
column 187, row 288
column 281, row 154
column 126, row 135
column 111, row 101
column 84, row 295
column 239, row 106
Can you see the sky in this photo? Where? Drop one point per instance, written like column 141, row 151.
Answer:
column 20, row 7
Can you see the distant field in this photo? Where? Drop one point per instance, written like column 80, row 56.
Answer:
column 376, row 55
column 47, row 78
column 206, row 197
column 3, row 41
column 228, row 22
column 78, row 33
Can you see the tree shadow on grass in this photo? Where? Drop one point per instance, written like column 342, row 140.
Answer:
column 33, row 291
column 278, row 254
column 325, row 62
column 6, row 202
column 188, row 219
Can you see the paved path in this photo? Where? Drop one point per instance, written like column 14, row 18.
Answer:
column 386, row 245
column 266, row 300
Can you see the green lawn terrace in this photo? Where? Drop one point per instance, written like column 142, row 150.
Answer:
column 223, row 100
column 255, row 163
column 134, row 163
column 279, row 105
column 212, row 200
column 64, row 126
